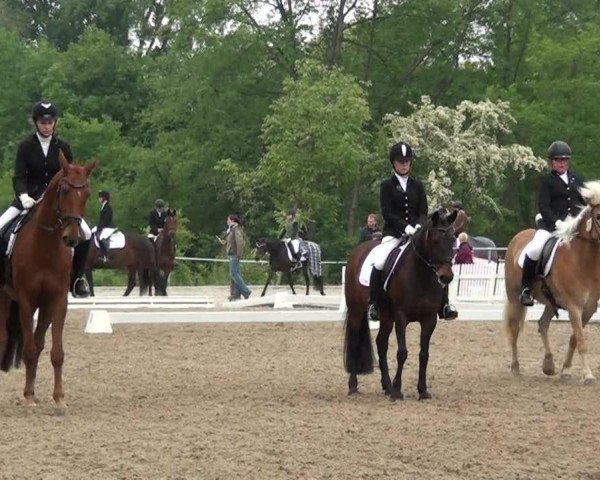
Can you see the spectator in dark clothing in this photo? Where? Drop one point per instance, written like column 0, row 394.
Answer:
column 370, row 230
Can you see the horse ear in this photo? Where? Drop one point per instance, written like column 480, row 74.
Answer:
column 173, row 213
column 89, row 167
column 64, row 163
column 452, row 217
column 435, row 217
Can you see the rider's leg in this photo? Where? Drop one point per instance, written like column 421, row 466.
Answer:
column 374, row 294
column 448, row 311
column 79, row 285
column 532, row 253
column 11, row 213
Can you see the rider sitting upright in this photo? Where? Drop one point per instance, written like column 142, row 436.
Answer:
column 404, row 209
column 558, row 198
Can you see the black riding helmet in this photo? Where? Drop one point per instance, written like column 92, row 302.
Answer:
column 44, row 110
column 104, row 194
column 159, row 203
column 559, row 149
column 401, row 151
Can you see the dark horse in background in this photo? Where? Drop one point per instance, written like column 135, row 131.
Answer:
column 39, row 278
column 279, row 261
column 137, row 257
column 414, row 294
column 483, row 247
column 165, row 248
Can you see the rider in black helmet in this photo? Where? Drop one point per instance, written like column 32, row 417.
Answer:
column 558, row 198
column 36, row 163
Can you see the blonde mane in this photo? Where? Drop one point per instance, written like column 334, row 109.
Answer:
column 591, row 194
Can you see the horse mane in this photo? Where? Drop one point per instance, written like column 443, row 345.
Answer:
column 591, row 194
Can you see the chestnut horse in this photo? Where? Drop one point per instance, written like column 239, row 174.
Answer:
column 574, row 281
column 414, row 294
column 40, row 274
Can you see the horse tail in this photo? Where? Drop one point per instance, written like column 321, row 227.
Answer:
column 358, row 349
column 14, row 345
column 144, row 281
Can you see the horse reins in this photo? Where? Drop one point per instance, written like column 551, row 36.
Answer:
column 63, row 220
column 425, row 260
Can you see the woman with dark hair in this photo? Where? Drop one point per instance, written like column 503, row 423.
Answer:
column 234, row 246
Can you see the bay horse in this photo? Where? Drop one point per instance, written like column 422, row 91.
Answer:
column 136, row 257
column 279, row 261
column 165, row 247
column 40, row 274
column 414, row 294
column 574, row 282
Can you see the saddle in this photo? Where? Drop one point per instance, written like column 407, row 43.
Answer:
column 392, row 261
column 547, row 256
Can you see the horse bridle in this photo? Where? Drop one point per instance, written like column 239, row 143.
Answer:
column 63, row 220
column 423, row 258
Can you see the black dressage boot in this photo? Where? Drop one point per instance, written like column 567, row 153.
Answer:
column 374, row 294
column 448, row 311
column 529, row 268
column 79, row 285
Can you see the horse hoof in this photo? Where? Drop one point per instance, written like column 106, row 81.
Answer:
column 353, row 391
column 425, row 396
column 29, row 403
column 515, row 369
column 589, row 380
column 566, row 377
column 396, row 396
column 60, row 410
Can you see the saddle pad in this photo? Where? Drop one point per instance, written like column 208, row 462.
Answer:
column 391, row 262
column 116, row 238
column 364, row 277
column 547, row 257
column 9, row 235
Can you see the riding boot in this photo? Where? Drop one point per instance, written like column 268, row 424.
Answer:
column 529, row 271
column 104, row 249
column 295, row 257
column 374, row 294
column 448, row 311
column 79, row 285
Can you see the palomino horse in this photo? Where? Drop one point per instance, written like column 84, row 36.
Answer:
column 40, row 273
column 414, row 294
column 137, row 257
column 279, row 261
column 574, row 281
column 166, row 247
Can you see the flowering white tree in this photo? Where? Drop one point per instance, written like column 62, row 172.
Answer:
column 459, row 149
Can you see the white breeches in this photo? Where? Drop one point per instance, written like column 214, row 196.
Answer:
column 534, row 248
column 85, row 230
column 382, row 251
column 8, row 216
column 13, row 212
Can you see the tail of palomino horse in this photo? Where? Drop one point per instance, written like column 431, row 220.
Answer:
column 358, row 349
column 514, row 311
column 14, row 345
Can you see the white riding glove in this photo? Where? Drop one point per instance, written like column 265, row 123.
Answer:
column 410, row 230
column 26, row 201
column 558, row 224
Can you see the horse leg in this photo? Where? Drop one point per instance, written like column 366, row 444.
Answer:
column 271, row 273
column 29, row 349
column 575, row 315
column 90, row 278
column 543, row 325
column 401, row 355
column 386, row 325
column 427, row 328
column 306, row 278
column 291, row 283
column 39, row 335
column 4, row 314
column 514, row 318
column 57, row 313
column 130, row 281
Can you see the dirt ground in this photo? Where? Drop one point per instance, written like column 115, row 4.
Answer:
column 268, row 401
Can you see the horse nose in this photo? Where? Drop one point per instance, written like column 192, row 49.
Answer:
column 70, row 241
column 446, row 278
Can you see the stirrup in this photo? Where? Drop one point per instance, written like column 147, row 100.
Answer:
column 373, row 312
column 81, row 288
column 526, row 298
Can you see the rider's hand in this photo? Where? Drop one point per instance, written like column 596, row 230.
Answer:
column 558, row 224
column 26, row 201
column 410, row 230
